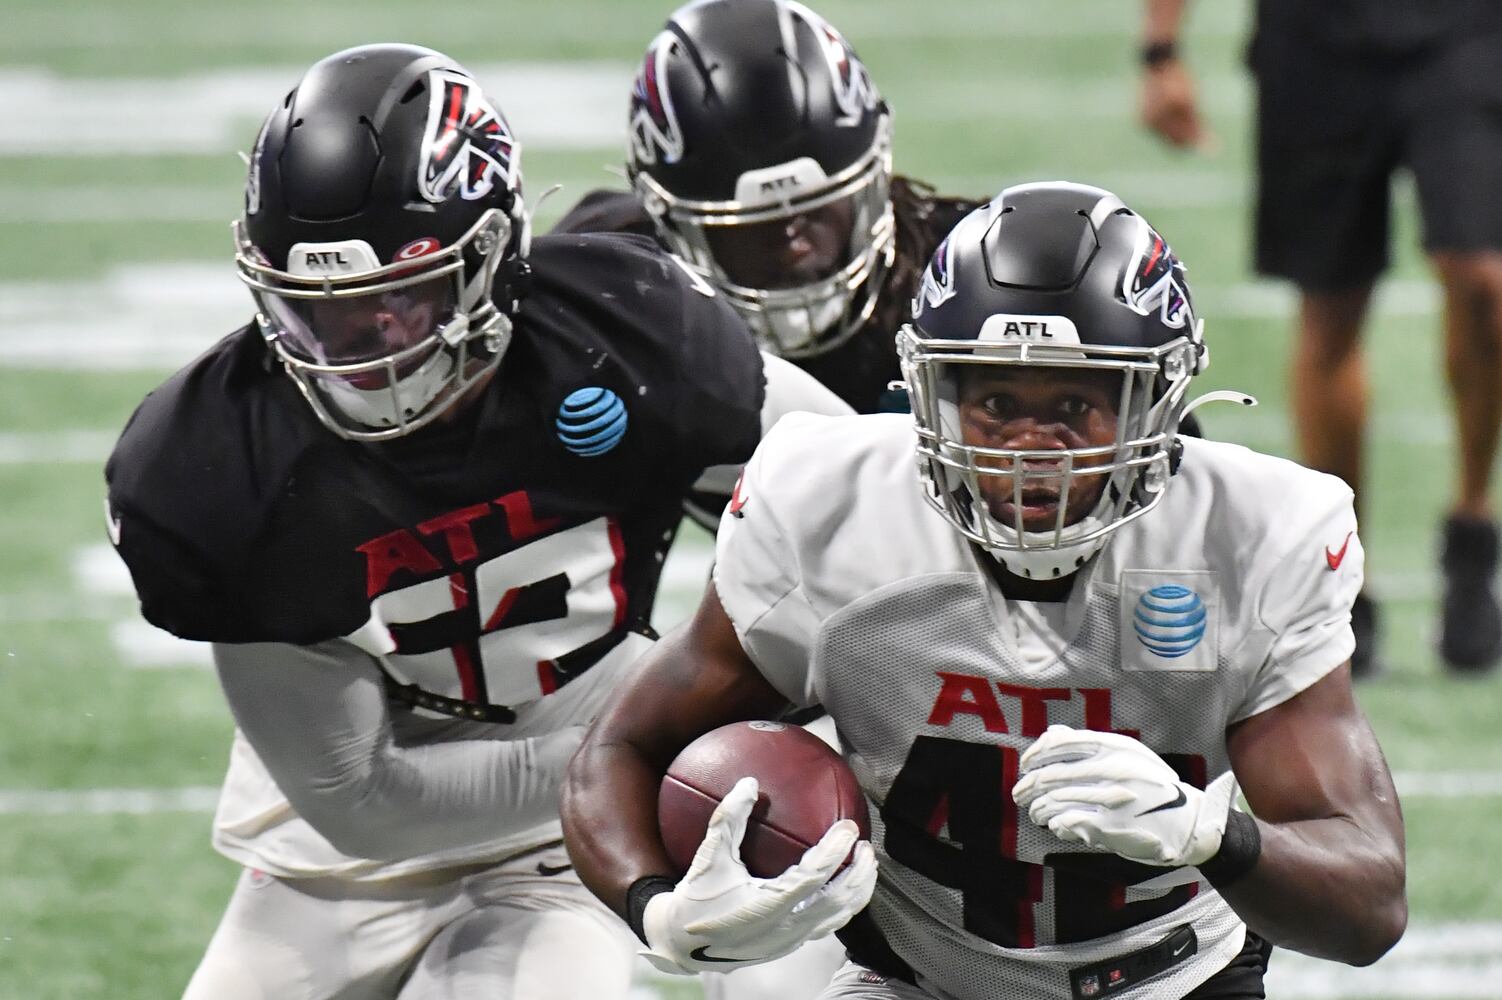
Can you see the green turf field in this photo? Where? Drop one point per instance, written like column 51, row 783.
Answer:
column 118, row 126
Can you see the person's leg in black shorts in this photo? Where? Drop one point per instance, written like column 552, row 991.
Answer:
column 1452, row 108
column 1327, row 145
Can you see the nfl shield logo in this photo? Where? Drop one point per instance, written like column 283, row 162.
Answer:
column 1089, row 986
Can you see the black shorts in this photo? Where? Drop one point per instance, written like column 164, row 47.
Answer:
column 1242, row 978
column 1332, row 127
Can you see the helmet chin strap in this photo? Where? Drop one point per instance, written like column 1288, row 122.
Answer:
column 394, row 404
column 793, row 328
column 1046, row 562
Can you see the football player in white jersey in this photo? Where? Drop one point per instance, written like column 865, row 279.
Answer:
column 1054, row 637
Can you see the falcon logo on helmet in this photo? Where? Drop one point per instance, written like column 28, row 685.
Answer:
column 654, row 127
column 853, row 90
column 938, row 279
column 467, row 144
column 253, row 179
column 1155, row 280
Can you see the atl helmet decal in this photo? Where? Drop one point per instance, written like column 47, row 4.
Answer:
column 467, row 145
column 1155, row 280
column 853, row 90
column 654, row 126
column 938, row 277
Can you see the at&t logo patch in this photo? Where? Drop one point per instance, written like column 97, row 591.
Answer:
column 1169, row 620
column 591, row 421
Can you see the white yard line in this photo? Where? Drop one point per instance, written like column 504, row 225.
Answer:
column 556, row 105
column 105, row 801
column 72, row 447
column 95, row 801
column 552, row 106
column 147, row 317
column 1433, row 961
column 215, row 205
column 1258, row 427
column 119, row 203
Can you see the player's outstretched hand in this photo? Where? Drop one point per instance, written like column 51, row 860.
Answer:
column 1113, row 793
column 1167, row 106
column 720, row 916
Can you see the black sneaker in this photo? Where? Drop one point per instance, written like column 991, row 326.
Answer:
column 1364, row 624
column 1471, row 621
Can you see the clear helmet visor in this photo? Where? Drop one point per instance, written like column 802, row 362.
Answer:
column 354, row 330
column 789, row 252
column 381, row 350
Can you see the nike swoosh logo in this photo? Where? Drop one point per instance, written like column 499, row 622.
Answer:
column 1336, row 558
column 701, row 954
column 1180, row 950
column 546, row 869
column 737, row 500
column 1174, row 804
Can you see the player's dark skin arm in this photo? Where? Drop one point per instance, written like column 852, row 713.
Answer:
column 696, row 679
column 1330, row 878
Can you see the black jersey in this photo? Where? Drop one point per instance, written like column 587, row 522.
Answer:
column 495, row 555
column 1378, row 27
column 860, row 369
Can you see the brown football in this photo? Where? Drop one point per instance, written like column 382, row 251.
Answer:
column 805, row 789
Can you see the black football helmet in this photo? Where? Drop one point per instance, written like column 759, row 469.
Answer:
column 1053, row 275
column 750, row 112
column 384, row 237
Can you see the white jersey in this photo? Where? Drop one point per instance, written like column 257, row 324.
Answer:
column 848, row 589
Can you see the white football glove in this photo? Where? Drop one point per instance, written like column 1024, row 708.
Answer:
column 1113, row 793
column 719, row 917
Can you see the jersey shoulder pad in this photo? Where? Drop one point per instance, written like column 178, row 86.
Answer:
column 684, row 353
column 605, row 211
column 1249, row 491
column 1253, row 509
column 194, row 479
column 811, row 465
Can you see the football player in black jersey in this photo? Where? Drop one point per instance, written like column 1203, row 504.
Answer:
column 760, row 152
column 419, row 507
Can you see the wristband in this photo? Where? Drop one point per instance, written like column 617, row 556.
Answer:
column 637, row 898
column 1240, row 847
column 1155, row 54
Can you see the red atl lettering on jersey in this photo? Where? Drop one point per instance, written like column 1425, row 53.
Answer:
column 962, row 694
column 393, row 551
column 966, row 694
column 520, row 520
column 1034, row 704
column 401, row 550
column 457, row 532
